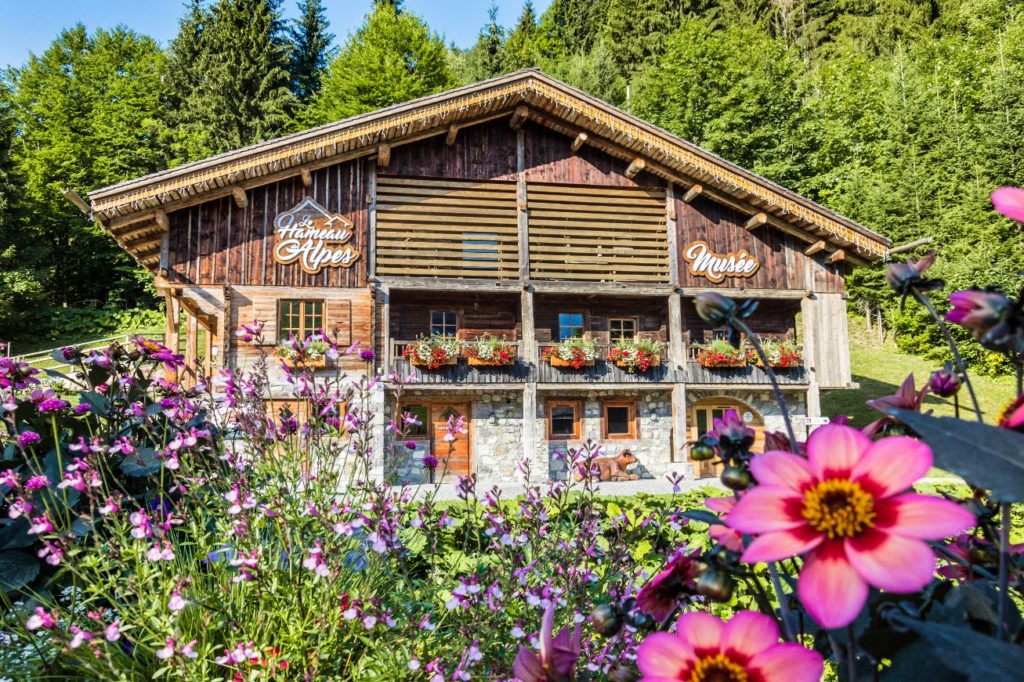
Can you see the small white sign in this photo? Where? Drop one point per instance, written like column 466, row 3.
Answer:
column 748, row 417
column 816, row 421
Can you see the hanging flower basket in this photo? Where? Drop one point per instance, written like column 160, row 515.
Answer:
column 489, row 351
column 720, row 353
column 432, row 352
column 636, row 356
column 575, row 353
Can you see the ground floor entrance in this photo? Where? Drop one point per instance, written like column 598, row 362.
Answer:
column 451, row 449
column 701, row 419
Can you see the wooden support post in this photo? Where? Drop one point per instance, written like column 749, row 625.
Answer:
column 241, row 200
column 171, row 335
column 523, row 215
column 519, row 116
column 528, row 351
column 580, row 140
column 756, row 221
column 165, row 252
column 676, row 347
column 815, row 248
column 226, row 327
column 161, row 219
column 453, row 134
column 371, row 229
column 670, row 227
column 539, row 468
column 635, row 167
column 191, row 346
column 692, row 193
column 678, row 453
column 72, row 196
column 383, row 155
column 307, row 178
column 836, row 256
column 809, row 311
column 385, row 327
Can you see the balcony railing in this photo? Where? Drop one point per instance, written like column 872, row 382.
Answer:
column 748, row 374
column 461, row 372
column 602, row 371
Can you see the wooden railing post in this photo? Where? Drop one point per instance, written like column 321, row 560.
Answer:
column 529, row 342
column 676, row 347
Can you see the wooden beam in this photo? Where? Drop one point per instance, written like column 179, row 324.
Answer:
column 580, row 140
column 307, row 177
column 160, row 218
column 836, row 256
column 241, row 200
column 815, row 248
column 635, row 167
column 910, row 246
column 453, row 134
column 692, row 193
column 383, row 155
column 519, row 116
column 756, row 221
column 72, row 196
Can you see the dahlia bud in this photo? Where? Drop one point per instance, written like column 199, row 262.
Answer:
column 702, row 451
column 978, row 310
column 910, row 274
column 944, row 382
column 736, row 478
column 715, row 585
column 715, row 309
column 606, row 620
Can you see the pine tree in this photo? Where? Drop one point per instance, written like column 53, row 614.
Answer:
column 571, row 27
column 393, row 57
column 638, row 29
column 521, row 47
column 311, row 50
column 486, row 58
column 183, row 80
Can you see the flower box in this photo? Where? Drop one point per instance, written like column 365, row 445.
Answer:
column 556, row 361
column 432, row 352
column 655, row 361
column 311, row 352
column 781, row 354
column 433, row 363
column 575, row 353
column 480, row 362
column 720, row 354
column 312, row 363
column 489, row 351
column 636, row 355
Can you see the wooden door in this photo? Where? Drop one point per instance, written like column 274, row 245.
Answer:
column 702, row 416
column 453, row 457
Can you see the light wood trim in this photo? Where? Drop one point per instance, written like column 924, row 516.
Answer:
column 587, row 202
column 410, row 244
column 453, row 133
column 383, row 155
column 670, row 231
column 161, row 219
column 620, row 229
column 307, row 177
column 395, row 181
column 815, row 248
column 385, row 269
column 577, row 406
column 692, row 193
column 580, row 140
column 73, row 196
column 451, row 209
column 543, row 258
column 238, row 194
column 836, row 256
column 634, row 168
column 630, row 405
column 466, row 221
column 641, row 242
column 755, row 221
column 404, row 227
column 604, row 276
column 519, row 117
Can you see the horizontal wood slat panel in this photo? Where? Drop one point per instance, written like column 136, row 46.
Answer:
column 540, row 188
column 450, row 228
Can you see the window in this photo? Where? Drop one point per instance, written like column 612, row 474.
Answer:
column 563, row 420
column 622, row 328
column 442, row 322
column 570, row 325
column 417, row 430
column 620, row 420
column 300, row 318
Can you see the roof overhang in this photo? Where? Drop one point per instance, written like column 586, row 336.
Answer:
column 550, row 102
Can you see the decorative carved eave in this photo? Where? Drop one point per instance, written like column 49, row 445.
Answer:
column 516, row 95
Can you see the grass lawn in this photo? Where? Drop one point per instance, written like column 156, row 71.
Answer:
column 881, row 369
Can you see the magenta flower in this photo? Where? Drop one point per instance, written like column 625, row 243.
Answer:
column 430, row 462
column 847, row 508
column 724, row 535
column 978, row 310
column 660, row 596
column 112, row 632
column 40, row 619
column 1013, row 416
column 1010, row 202
column 367, row 355
column 26, row 438
column 945, row 382
column 556, row 659
column 747, row 647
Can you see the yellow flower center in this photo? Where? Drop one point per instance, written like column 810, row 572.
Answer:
column 839, row 508
column 718, row 668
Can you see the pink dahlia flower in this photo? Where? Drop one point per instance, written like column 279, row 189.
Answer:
column 660, row 596
column 1010, row 202
column 723, row 535
column 704, row 648
column 847, row 507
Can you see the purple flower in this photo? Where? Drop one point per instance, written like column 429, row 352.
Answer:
column 367, row 355
column 996, row 321
column 429, row 461
column 903, row 277
column 52, row 405
column 556, row 659
column 945, row 382
column 410, row 445
column 37, row 482
column 26, row 438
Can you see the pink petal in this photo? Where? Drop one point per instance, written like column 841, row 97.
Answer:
column 527, row 666
column 829, row 587
column 782, row 544
column 833, row 450
column 722, row 505
column 782, row 469
column 891, row 562
column 892, row 464
column 766, row 508
column 788, row 662
column 922, row 516
column 1010, row 202
column 749, row 632
column 699, row 630
column 664, row 656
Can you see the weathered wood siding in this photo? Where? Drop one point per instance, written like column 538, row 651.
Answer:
column 773, row 317
column 217, row 242
column 549, row 158
column 410, row 312
column 481, row 152
column 783, row 263
column 650, row 313
column 825, row 323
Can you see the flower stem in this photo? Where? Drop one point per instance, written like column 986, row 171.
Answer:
column 739, row 324
column 1004, row 570
column 926, row 302
column 784, row 612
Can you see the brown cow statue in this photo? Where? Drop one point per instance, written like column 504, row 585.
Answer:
column 611, row 468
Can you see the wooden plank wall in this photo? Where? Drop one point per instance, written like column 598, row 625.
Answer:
column 549, row 158
column 783, row 263
column 217, row 242
column 482, row 152
column 410, row 311
column 773, row 316
column 828, row 325
column 597, row 233
column 651, row 313
column 446, row 228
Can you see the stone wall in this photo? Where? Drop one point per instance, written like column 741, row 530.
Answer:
column 762, row 402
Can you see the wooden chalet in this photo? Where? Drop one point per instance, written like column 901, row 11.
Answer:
column 519, row 208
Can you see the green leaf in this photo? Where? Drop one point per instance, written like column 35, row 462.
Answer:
column 984, row 455
column 14, row 535
column 979, row 657
column 17, row 569
column 99, row 403
column 703, row 516
column 143, row 463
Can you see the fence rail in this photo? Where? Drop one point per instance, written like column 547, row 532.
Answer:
column 43, row 359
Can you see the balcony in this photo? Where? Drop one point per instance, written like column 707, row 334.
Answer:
column 602, row 371
column 461, row 372
column 749, row 374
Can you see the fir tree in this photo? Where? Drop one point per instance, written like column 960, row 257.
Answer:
column 311, row 50
column 521, row 47
column 393, row 57
column 571, row 27
column 486, row 58
column 183, row 85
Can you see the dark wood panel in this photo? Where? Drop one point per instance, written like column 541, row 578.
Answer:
column 482, row 152
column 775, row 317
column 549, row 158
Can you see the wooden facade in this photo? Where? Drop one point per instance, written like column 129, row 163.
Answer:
column 504, row 207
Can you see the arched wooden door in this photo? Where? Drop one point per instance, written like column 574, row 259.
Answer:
column 701, row 420
column 453, row 457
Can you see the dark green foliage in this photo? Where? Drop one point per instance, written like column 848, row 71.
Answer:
column 486, row 59
column 310, row 49
column 520, row 49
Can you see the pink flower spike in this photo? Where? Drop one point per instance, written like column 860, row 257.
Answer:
column 745, row 648
column 1010, row 202
column 852, row 518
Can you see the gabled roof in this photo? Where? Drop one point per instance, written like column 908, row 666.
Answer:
column 549, row 101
